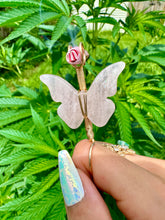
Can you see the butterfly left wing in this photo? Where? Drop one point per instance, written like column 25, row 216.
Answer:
column 64, row 92
column 99, row 108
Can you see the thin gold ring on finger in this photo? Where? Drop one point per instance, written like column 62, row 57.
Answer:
column 90, row 153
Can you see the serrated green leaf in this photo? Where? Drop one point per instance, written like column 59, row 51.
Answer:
column 21, row 3
column 10, row 116
column 30, row 93
column 39, row 209
column 152, row 49
column 19, row 157
column 67, row 11
column 40, row 126
column 56, row 61
column 3, row 142
column 12, row 205
column 61, row 27
column 108, row 20
column 81, row 23
column 29, row 23
column 157, row 58
column 4, row 91
column 138, row 83
column 145, row 88
column 40, row 148
column 19, row 136
column 159, row 118
column 155, row 24
column 35, row 41
column 128, row 31
column 6, row 149
column 13, row 102
column 33, row 167
column 141, row 29
column 141, row 120
column 56, row 140
column 47, row 27
column 58, row 212
column 25, row 125
column 39, row 123
column 45, row 184
column 61, row 5
column 115, row 30
column 123, row 117
column 90, row 68
column 15, row 15
column 29, row 141
column 153, row 99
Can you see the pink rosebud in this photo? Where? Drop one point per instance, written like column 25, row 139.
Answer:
column 74, row 57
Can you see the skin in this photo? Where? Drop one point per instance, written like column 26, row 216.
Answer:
column 136, row 182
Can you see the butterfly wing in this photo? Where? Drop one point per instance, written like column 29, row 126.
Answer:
column 100, row 109
column 61, row 91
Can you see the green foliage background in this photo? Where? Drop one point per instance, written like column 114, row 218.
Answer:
column 31, row 133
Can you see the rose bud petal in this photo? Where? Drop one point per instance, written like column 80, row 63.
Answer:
column 74, row 57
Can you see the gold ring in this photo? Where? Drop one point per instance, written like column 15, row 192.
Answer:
column 90, row 153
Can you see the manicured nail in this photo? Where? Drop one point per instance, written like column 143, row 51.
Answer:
column 71, row 184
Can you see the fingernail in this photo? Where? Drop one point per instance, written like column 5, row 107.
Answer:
column 71, row 184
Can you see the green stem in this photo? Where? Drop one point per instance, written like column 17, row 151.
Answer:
column 94, row 39
column 10, row 69
column 18, row 72
column 119, row 38
column 18, row 69
column 109, row 15
column 4, row 67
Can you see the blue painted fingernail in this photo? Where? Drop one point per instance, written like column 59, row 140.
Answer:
column 71, row 184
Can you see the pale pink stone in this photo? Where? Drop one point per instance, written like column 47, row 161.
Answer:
column 100, row 109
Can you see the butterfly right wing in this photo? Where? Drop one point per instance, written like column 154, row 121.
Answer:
column 104, row 85
column 62, row 91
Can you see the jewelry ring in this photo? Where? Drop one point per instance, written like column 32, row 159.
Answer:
column 90, row 153
column 121, row 148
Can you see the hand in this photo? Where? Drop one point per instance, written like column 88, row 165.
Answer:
column 137, row 183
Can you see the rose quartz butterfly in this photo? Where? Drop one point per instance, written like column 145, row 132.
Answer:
column 93, row 102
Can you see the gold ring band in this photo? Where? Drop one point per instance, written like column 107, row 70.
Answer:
column 90, row 153
column 121, row 150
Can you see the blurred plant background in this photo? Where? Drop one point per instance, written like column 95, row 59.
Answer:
column 34, row 39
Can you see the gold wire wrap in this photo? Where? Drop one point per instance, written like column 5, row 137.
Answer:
column 81, row 77
column 88, row 123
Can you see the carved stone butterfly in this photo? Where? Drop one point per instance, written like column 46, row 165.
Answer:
column 75, row 105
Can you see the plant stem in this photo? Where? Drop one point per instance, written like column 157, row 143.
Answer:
column 82, row 85
column 119, row 38
column 94, row 41
column 11, row 69
column 18, row 69
column 81, row 78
